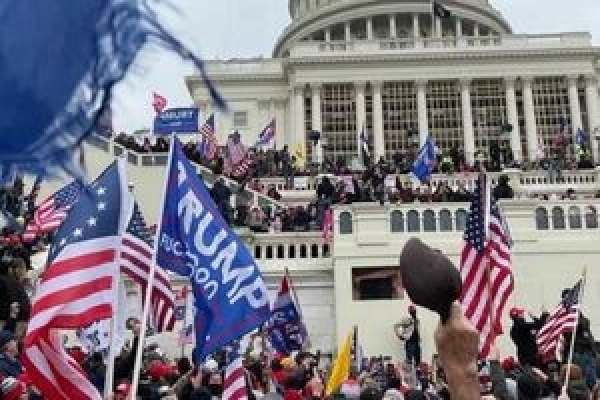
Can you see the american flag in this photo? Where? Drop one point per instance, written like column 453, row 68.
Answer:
column 485, row 266
column 234, row 385
column 76, row 289
column 267, row 137
column 136, row 260
column 51, row 213
column 236, row 151
column 562, row 320
column 208, row 146
column 158, row 102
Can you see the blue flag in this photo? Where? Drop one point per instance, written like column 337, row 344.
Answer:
column 581, row 137
column 425, row 162
column 51, row 98
column 287, row 331
column 230, row 295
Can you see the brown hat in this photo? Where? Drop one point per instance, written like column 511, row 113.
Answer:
column 429, row 277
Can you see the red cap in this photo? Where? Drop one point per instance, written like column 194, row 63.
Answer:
column 157, row 369
column 509, row 363
column 123, row 388
column 516, row 312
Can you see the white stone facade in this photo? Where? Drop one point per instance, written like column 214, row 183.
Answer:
column 341, row 65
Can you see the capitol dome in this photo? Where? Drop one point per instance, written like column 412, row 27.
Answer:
column 344, row 20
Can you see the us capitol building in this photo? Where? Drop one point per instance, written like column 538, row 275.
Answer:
column 342, row 65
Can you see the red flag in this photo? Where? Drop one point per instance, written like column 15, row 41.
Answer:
column 158, row 102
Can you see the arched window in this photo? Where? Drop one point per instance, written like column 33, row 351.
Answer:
column 461, row 219
column 591, row 217
column 413, row 221
column 303, row 252
column 269, row 252
column 558, row 218
column 397, row 221
column 445, row 221
column 314, row 251
column 541, row 219
column 292, row 251
column 345, row 223
column 280, row 251
column 429, row 221
column 575, row 217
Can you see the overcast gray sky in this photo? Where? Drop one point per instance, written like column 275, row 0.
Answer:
column 248, row 28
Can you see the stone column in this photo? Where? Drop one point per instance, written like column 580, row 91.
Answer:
column 467, row 120
column 328, row 35
column 458, row 29
column 316, row 120
column 279, row 123
column 378, row 134
column 361, row 113
column 369, row 28
column 417, row 31
column 393, row 30
column 300, row 129
column 513, row 118
column 530, row 122
column 438, row 27
column 593, row 113
column 422, row 111
column 574, row 106
column 347, row 32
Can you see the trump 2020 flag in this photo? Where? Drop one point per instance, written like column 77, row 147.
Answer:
column 286, row 328
column 231, row 298
column 425, row 162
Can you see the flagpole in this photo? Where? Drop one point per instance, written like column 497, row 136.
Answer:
column 112, row 355
column 574, row 333
column 432, row 20
column 486, row 227
column 144, row 323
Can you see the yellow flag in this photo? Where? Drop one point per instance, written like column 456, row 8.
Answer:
column 299, row 154
column 341, row 367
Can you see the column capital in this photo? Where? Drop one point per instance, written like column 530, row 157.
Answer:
column 298, row 88
column 510, row 81
column 421, row 83
column 591, row 79
column 376, row 84
column 360, row 85
column 527, row 80
column 465, row 83
column 316, row 86
column 572, row 78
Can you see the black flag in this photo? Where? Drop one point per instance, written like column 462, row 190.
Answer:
column 441, row 11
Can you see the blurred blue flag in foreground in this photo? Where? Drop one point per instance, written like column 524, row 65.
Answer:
column 425, row 162
column 59, row 63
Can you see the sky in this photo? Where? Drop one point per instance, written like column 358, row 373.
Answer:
column 248, row 28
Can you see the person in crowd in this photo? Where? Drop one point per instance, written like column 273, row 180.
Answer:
column 221, row 195
column 522, row 334
column 273, row 193
column 408, row 331
column 378, row 183
column 503, row 189
column 13, row 389
column 9, row 355
column 287, row 167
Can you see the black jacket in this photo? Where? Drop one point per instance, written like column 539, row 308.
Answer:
column 522, row 334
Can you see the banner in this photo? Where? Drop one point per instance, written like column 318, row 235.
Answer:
column 176, row 120
column 301, row 182
column 194, row 241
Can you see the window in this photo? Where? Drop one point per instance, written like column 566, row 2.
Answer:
column 338, row 110
column 591, row 217
column 257, row 252
column 551, row 104
column 488, row 102
column 461, row 219
column 558, row 218
column 445, row 221
column 375, row 284
column 575, row 218
column 314, row 251
column 429, row 221
column 269, row 252
column 280, row 251
column 292, row 251
column 326, row 250
column 541, row 219
column 397, row 222
column 444, row 109
column 303, row 253
column 345, row 223
column 240, row 119
column 399, row 116
column 414, row 223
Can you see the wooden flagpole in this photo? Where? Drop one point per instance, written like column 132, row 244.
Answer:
column 144, row 323
column 574, row 333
